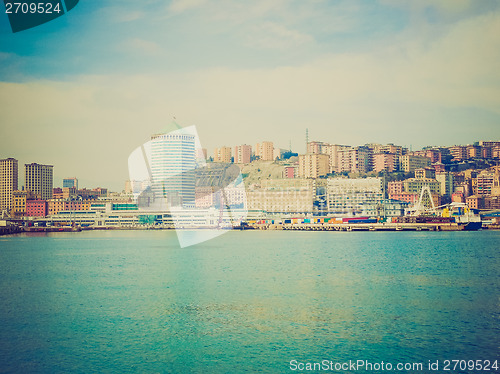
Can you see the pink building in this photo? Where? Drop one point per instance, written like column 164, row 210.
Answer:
column 395, row 187
column 315, row 147
column 355, row 159
column 36, row 208
column 290, row 172
column 411, row 198
column 384, row 161
column 475, row 202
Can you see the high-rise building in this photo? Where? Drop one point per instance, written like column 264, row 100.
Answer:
column 265, row 151
column 333, row 150
column 385, row 161
column 316, row 147
column 484, row 143
column 242, row 154
column 70, row 182
column 8, row 182
column 409, row 162
column 173, row 160
column 446, row 181
column 39, row 180
column 385, row 148
column 459, row 152
column 355, row 159
column 484, row 183
column 222, row 154
column 313, row 165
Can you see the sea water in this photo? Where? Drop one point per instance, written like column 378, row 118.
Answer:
column 247, row 301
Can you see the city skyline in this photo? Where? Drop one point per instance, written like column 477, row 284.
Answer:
column 312, row 144
column 81, row 92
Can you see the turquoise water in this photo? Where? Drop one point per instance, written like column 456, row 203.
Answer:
column 133, row 301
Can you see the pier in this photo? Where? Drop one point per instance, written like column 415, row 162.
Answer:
column 362, row 227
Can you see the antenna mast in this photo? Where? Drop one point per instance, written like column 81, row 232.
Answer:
column 307, row 138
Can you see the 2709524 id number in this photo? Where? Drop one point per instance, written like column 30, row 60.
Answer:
column 32, row 8
column 478, row 365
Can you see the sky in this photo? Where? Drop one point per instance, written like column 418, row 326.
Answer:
column 83, row 91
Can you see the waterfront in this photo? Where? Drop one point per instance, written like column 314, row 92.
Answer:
column 133, row 301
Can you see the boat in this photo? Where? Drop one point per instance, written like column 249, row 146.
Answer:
column 468, row 218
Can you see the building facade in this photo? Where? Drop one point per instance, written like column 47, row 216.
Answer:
column 313, row 165
column 385, row 161
column 355, row 160
column 70, row 183
column 425, row 173
column 445, row 179
column 173, row 161
column 242, row 154
column 19, row 204
column 290, row 200
column 409, row 163
column 345, row 195
column 39, row 180
column 415, row 185
column 265, row 151
column 36, row 208
column 222, row 154
column 8, row 183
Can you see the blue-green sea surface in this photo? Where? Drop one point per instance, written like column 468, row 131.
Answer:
column 251, row 301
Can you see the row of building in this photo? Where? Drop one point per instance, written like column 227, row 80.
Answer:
column 243, row 154
column 324, row 158
column 38, row 197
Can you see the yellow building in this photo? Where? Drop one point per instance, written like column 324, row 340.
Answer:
column 19, row 204
column 313, row 165
column 265, row 151
column 8, row 183
column 222, row 154
column 409, row 163
column 55, row 206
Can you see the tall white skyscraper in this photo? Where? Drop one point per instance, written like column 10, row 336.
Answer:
column 173, row 160
column 8, row 182
column 39, row 179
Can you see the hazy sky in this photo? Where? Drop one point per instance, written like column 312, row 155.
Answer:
column 83, row 91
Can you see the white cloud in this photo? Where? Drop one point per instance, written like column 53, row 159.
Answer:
column 273, row 35
column 137, row 45
column 179, row 6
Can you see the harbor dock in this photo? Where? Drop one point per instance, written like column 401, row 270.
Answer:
column 362, row 227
